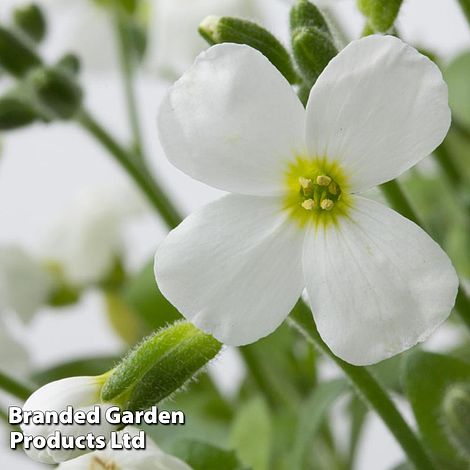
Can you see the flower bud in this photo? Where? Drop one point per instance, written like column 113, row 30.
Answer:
column 57, row 92
column 217, row 30
column 15, row 112
column 312, row 42
column 306, row 15
column 159, row 366
column 81, row 393
column 313, row 49
column 380, row 14
column 456, row 409
column 30, row 19
column 70, row 64
column 16, row 57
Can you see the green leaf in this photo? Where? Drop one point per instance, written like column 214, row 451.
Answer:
column 427, row 377
column 207, row 414
column 381, row 14
column 282, row 366
column 145, row 299
column 203, row 456
column 218, row 30
column 456, row 75
column 253, row 419
column 159, row 366
column 456, row 409
column 313, row 413
column 89, row 366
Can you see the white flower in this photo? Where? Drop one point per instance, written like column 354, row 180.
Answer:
column 86, row 240
column 82, row 393
column 174, row 39
column 376, row 282
column 24, row 284
column 152, row 458
column 14, row 359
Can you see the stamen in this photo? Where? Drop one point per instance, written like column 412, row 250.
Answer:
column 327, row 204
column 333, row 188
column 305, row 183
column 323, row 180
column 308, row 204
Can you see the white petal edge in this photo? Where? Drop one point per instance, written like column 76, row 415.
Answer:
column 233, row 121
column 233, row 268
column 377, row 283
column 378, row 108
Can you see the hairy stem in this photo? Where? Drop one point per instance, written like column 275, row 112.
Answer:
column 369, row 390
column 126, row 59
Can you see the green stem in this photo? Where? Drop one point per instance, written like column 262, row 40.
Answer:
column 128, row 69
column 150, row 188
column 276, row 392
column 370, row 391
column 398, row 200
column 444, row 159
column 14, row 387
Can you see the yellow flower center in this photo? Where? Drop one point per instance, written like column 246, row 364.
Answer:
column 317, row 191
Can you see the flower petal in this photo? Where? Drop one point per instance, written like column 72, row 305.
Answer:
column 377, row 283
column 233, row 268
column 378, row 108
column 232, row 121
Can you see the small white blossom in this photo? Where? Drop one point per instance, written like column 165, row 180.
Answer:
column 24, row 283
column 376, row 282
column 86, row 240
column 82, row 393
column 14, row 359
column 152, row 458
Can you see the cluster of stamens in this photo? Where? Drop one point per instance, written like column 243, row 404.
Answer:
column 319, row 193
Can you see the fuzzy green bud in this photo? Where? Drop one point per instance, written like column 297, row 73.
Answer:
column 30, row 19
column 56, row 91
column 312, row 42
column 70, row 64
column 16, row 57
column 456, row 410
column 380, row 14
column 217, row 30
column 15, row 112
column 159, row 366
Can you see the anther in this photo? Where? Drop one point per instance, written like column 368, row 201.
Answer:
column 323, row 180
column 326, row 204
column 333, row 188
column 308, row 204
column 305, row 183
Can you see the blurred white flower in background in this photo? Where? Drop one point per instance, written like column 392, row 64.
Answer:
column 174, row 40
column 152, row 458
column 13, row 356
column 86, row 240
column 25, row 284
column 81, row 393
